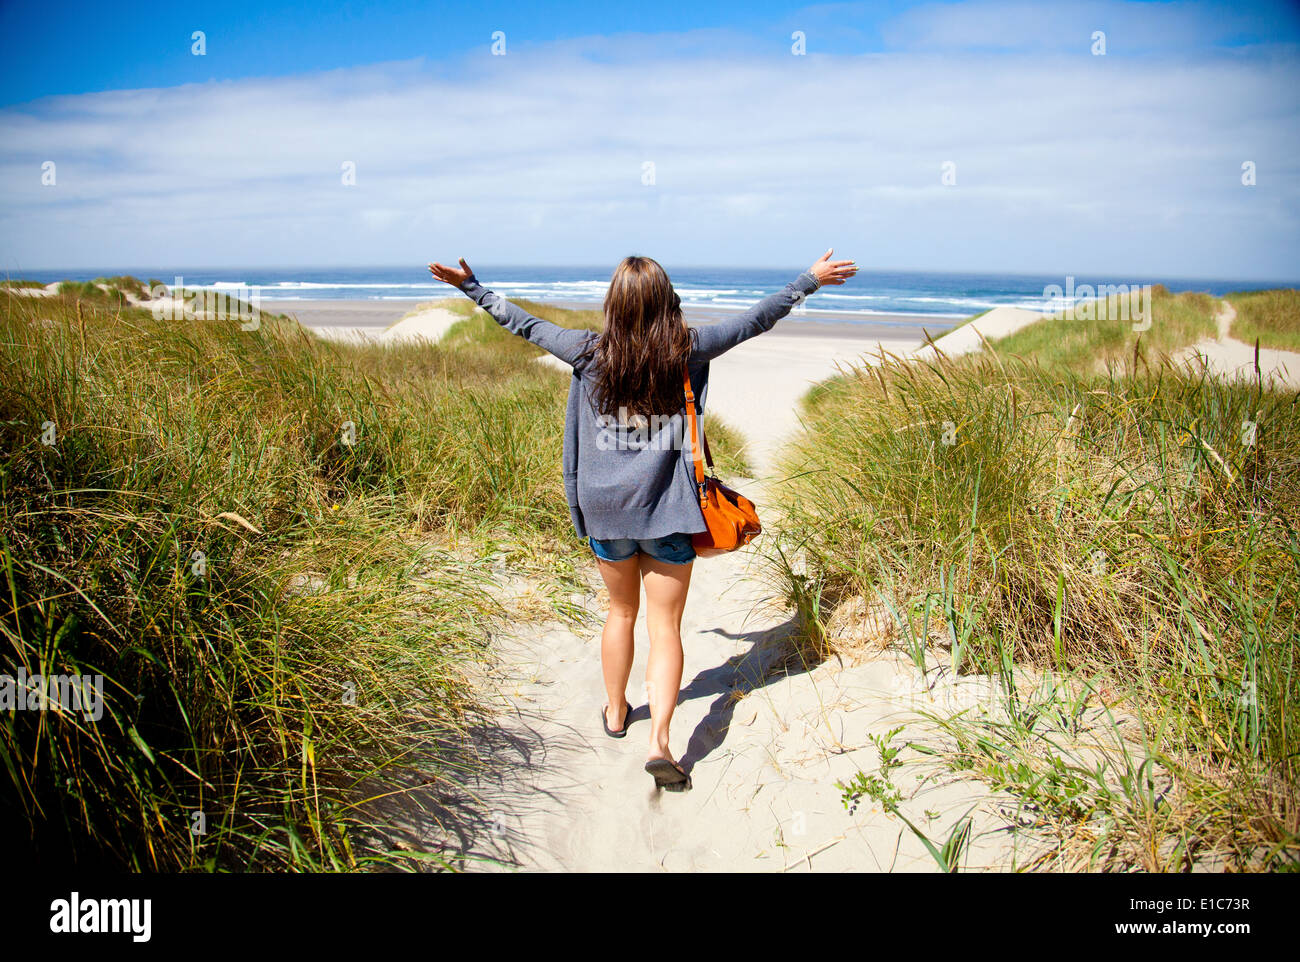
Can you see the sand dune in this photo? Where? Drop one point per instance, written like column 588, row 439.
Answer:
column 1224, row 355
column 49, row 290
column 970, row 337
column 429, row 325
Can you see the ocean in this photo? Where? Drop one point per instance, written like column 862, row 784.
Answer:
column 870, row 297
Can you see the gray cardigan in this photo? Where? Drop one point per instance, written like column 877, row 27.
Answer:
column 622, row 482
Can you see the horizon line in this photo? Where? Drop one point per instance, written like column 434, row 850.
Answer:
column 119, row 270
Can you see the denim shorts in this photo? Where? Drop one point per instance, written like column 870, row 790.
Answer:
column 673, row 549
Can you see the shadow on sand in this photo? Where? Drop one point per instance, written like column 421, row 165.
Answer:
column 771, row 655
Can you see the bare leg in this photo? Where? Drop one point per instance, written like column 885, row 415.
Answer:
column 623, row 579
column 665, row 591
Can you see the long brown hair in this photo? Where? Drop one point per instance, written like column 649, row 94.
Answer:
column 645, row 343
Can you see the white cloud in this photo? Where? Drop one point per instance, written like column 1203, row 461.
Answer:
column 1064, row 163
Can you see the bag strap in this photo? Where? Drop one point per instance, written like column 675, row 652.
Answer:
column 696, row 434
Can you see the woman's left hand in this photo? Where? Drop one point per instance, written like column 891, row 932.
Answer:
column 449, row 275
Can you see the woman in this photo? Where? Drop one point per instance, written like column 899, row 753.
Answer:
column 628, row 469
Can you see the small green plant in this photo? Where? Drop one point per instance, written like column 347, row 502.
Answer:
column 878, row 787
column 123, row 283
column 948, row 856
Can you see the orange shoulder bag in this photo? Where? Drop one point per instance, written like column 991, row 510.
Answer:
column 730, row 516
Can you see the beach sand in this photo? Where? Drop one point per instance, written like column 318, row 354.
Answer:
column 364, row 315
column 765, row 741
column 971, row 337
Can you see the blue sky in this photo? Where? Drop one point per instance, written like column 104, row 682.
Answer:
column 1064, row 161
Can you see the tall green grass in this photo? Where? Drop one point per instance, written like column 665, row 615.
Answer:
column 277, row 553
column 1134, row 533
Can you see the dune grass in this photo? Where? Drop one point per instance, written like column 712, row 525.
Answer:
column 89, row 292
column 1271, row 316
column 277, row 552
column 1089, row 342
column 1134, row 535
column 124, row 283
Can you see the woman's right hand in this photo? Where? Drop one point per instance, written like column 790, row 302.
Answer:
column 828, row 271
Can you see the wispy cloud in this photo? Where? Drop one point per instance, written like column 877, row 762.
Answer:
column 1063, row 162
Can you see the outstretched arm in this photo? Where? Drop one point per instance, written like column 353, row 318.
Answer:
column 714, row 339
column 565, row 343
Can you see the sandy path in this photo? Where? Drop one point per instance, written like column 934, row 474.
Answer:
column 755, row 386
column 764, row 738
column 1232, row 358
column 971, row 337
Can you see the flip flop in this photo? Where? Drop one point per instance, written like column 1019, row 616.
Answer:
column 667, row 775
column 627, row 717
